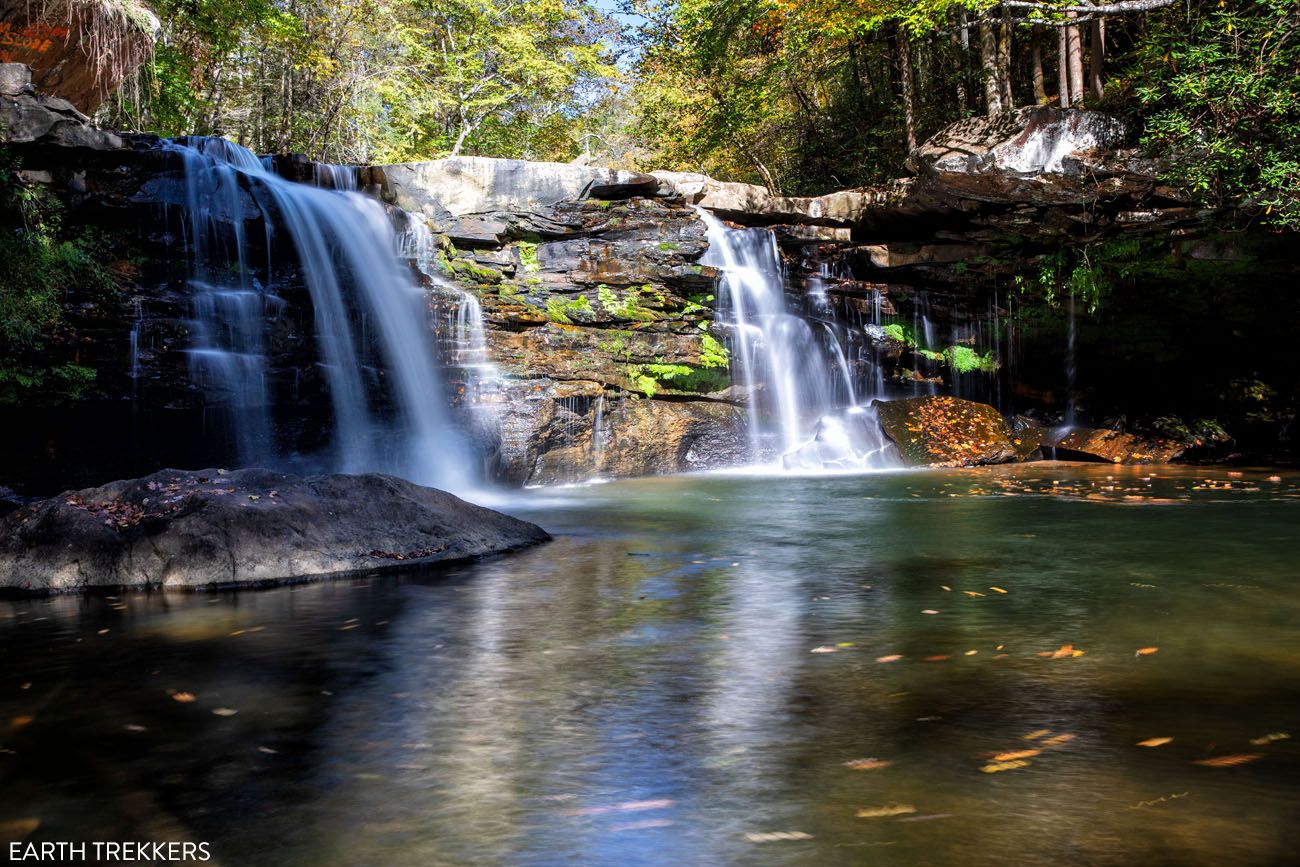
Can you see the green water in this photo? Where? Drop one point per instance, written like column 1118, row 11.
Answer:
column 690, row 675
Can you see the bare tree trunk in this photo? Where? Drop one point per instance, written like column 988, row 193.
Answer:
column 989, row 69
column 1036, row 64
column 961, row 41
column 909, row 95
column 1062, row 68
column 1004, row 64
column 1097, row 54
column 1074, row 42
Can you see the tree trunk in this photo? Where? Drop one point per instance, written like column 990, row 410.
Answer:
column 1036, row 64
column 989, row 69
column 1004, row 64
column 909, row 96
column 1097, row 54
column 1074, row 43
column 1062, row 68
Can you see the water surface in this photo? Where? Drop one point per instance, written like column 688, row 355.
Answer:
column 692, row 674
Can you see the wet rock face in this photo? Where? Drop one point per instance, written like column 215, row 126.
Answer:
column 181, row 529
column 1118, row 447
column 946, row 432
column 28, row 117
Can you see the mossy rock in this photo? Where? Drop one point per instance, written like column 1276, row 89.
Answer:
column 946, row 431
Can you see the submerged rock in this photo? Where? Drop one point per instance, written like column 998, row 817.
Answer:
column 939, row 431
column 1119, row 447
column 208, row 528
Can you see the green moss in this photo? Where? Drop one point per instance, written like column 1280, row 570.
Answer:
column 528, row 257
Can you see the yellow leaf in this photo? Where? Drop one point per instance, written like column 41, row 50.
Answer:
column 1229, row 761
column 885, row 812
column 997, row 767
column 997, row 590
column 867, row 764
column 1033, row 736
column 1058, row 740
column 1145, row 651
column 1015, row 754
column 1154, row 742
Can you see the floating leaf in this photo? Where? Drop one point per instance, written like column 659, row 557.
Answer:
column 20, row 721
column 972, row 593
column 132, row 727
column 938, row 657
column 775, row 836
column 1270, row 738
column 1145, row 651
column 1033, row 736
column 825, row 649
column 997, row 590
column 1057, row 740
column 929, row 611
column 1229, row 761
column 1065, row 651
column 886, row 811
column 893, row 657
column 183, row 697
column 998, row 767
column 225, row 711
column 872, row 764
column 1154, row 742
column 1015, row 754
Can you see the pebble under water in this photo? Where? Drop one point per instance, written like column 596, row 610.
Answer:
column 1036, row 664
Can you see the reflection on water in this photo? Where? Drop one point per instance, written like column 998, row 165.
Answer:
column 691, row 674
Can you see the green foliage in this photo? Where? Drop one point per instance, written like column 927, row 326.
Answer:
column 563, row 311
column 629, row 307
column 712, row 353
column 528, row 257
column 1220, row 88
column 963, row 359
column 376, row 80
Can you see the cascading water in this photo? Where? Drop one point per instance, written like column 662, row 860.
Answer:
column 347, row 254
column 783, row 365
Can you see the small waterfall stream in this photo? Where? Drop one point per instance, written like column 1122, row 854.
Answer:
column 346, row 251
column 790, row 372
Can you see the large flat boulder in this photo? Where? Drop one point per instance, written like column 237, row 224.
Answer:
column 28, row 117
column 459, row 186
column 1118, row 447
column 209, row 528
column 940, row 431
column 1034, row 155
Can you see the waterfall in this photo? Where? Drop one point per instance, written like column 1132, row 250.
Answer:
column 347, row 254
column 785, row 368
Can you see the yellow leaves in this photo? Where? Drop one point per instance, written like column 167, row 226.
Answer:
column 871, row 764
column 1057, row 740
column 1155, row 742
column 972, row 593
column 886, row 811
column 1016, row 754
column 1065, row 651
column 1033, row 736
column 893, row 657
column 998, row 767
column 183, row 697
column 1229, row 761
column 997, row 590
column 1270, row 738
column 1145, row 651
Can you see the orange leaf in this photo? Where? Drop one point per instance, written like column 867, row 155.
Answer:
column 1229, row 761
column 183, row 696
column 867, row 764
column 1145, row 651
column 1015, row 754
column 1154, row 742
column 1057, row 741
column 893, row 657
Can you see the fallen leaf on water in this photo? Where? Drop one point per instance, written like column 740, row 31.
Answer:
column 641, row 825
column 893, row 657
column 183, row 697
column 225, row 711
column 885, row 812
column 1154, row 742
column 20, row 721
column 938, row 657
column 971, row 652
column 774, row 836
column 945, row 588
column 1229, row 761
column 1145, row 651
column 1270, row 738
column 1015, row 754
column 626, row 807
column 132, row 727
column 1065, row 651
column 102, row 632
column 1033, row 736
column 998, row 767
column 268, row 751
column 997, row 590
column 845, row 644
column 867, row 764
column 929, row 611
column 972, row 593
column 1057, row 740
column 825, row 649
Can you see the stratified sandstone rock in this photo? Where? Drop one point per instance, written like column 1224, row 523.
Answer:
column 946, row 431
column 190, row 529
column 1118, row 447
column 1035, row 155
column 78, row 50
column 460, row 186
